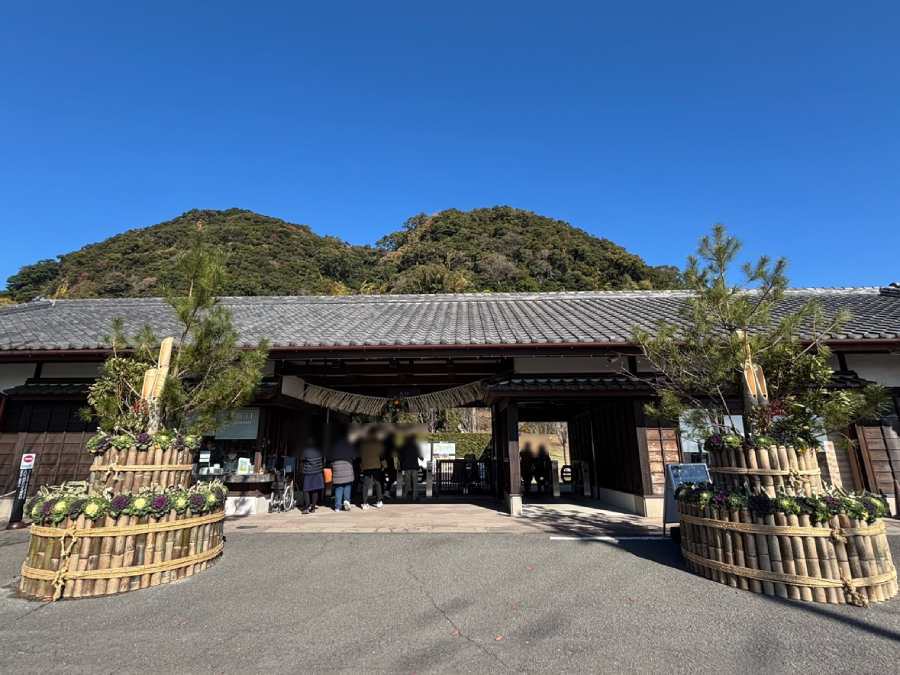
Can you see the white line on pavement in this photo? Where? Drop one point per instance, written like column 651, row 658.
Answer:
column 613, row 540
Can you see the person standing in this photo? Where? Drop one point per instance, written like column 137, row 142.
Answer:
column 542, row 468
column 526, row 466
column 370, row 450
column 311, row 464
column 390, row 455
column 410, row 452
column 342, row 476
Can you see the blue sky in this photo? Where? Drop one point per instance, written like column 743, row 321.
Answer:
column 642, row 122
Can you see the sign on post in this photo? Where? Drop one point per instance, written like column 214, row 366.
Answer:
column 676, row 476
column 26, row 464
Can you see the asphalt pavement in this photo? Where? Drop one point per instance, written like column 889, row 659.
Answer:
column 450, row 603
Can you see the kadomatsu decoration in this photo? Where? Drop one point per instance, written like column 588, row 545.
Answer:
column 767, row 523
column 140, row 523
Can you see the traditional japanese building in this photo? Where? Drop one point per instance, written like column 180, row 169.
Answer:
column 529, row 357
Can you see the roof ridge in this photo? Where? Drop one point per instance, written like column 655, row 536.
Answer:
column 450, row 297
column 39, row 303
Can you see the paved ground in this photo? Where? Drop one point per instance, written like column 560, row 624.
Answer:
column 456, row 517
column 449, row 602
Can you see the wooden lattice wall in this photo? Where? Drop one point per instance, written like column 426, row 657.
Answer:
column 60, row 457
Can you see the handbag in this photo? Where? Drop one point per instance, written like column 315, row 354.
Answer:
column 327, row 472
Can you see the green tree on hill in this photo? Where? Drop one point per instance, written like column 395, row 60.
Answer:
column 494, row 249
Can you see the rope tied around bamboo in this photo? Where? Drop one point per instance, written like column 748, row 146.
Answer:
column 209, row 543
column 767, row 469
column 843, row 560
column 113, row 469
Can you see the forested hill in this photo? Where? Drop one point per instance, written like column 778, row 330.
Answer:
column 492, row 249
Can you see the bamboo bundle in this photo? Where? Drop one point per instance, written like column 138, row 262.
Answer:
column 768, row 470
column 86, row 558
column 844, row 560
column 135, row 470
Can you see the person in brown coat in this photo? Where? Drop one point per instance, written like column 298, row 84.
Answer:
column 371, row 448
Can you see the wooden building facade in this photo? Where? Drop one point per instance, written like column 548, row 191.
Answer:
column 562, row 357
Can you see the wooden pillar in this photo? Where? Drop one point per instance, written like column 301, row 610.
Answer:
column 497, row 447
column 514, row 496
column 640, row 429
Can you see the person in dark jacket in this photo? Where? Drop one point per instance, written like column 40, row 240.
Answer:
column 311, row 465
column 410, row 452
column 542, row 468
column 526, row 466
column 342, row 456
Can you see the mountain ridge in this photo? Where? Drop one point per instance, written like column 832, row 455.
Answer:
column 492, row 249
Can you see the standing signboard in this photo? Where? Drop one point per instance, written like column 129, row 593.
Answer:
column 677, row 475
column 25, row 467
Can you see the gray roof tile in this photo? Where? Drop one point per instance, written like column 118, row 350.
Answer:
column 296, row 322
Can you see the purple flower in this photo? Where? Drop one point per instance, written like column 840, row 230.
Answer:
column 720, row 499
column 119, row 503
column 160, row 503
column 47, row 507
column 833, row 504
column 76, row 507
column 197, row 502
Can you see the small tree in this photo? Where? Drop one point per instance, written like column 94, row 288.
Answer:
column 702, row 356
column 210, row 374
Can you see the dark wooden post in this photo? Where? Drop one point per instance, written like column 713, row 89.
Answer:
column 514, row 496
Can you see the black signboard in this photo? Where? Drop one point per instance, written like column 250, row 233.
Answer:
column 677, row 475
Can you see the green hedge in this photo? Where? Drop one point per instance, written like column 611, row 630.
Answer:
column 466, row 444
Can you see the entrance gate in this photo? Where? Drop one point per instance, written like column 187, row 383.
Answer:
column 462, row 477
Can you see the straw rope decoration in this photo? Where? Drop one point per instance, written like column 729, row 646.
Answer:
column 373, row 405
column 849, row 584
column 114, row 468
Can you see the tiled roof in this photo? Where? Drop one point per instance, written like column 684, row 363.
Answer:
column 617, row 382
column 52, row 389
column 611, row 382
column 298, row 322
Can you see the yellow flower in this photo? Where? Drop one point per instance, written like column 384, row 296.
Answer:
column 92, row 509
column 61, row 506
column 139, row 503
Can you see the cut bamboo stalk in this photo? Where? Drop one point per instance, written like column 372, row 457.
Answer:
column 786, row 554
column 813, row 568
column 784, row 464
column 107, row 544
column 762, row 553
column 84, row 552
column 858, row 564
column 128, row 552
column 840, row 551
column 192, row 549
column 774, row 463
column 856, row 570
column 801, row 564
column 127, row 482
column 768, row 486
column 149, row 552
column 155, row 454
column 750, row 553
column 775, row 557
